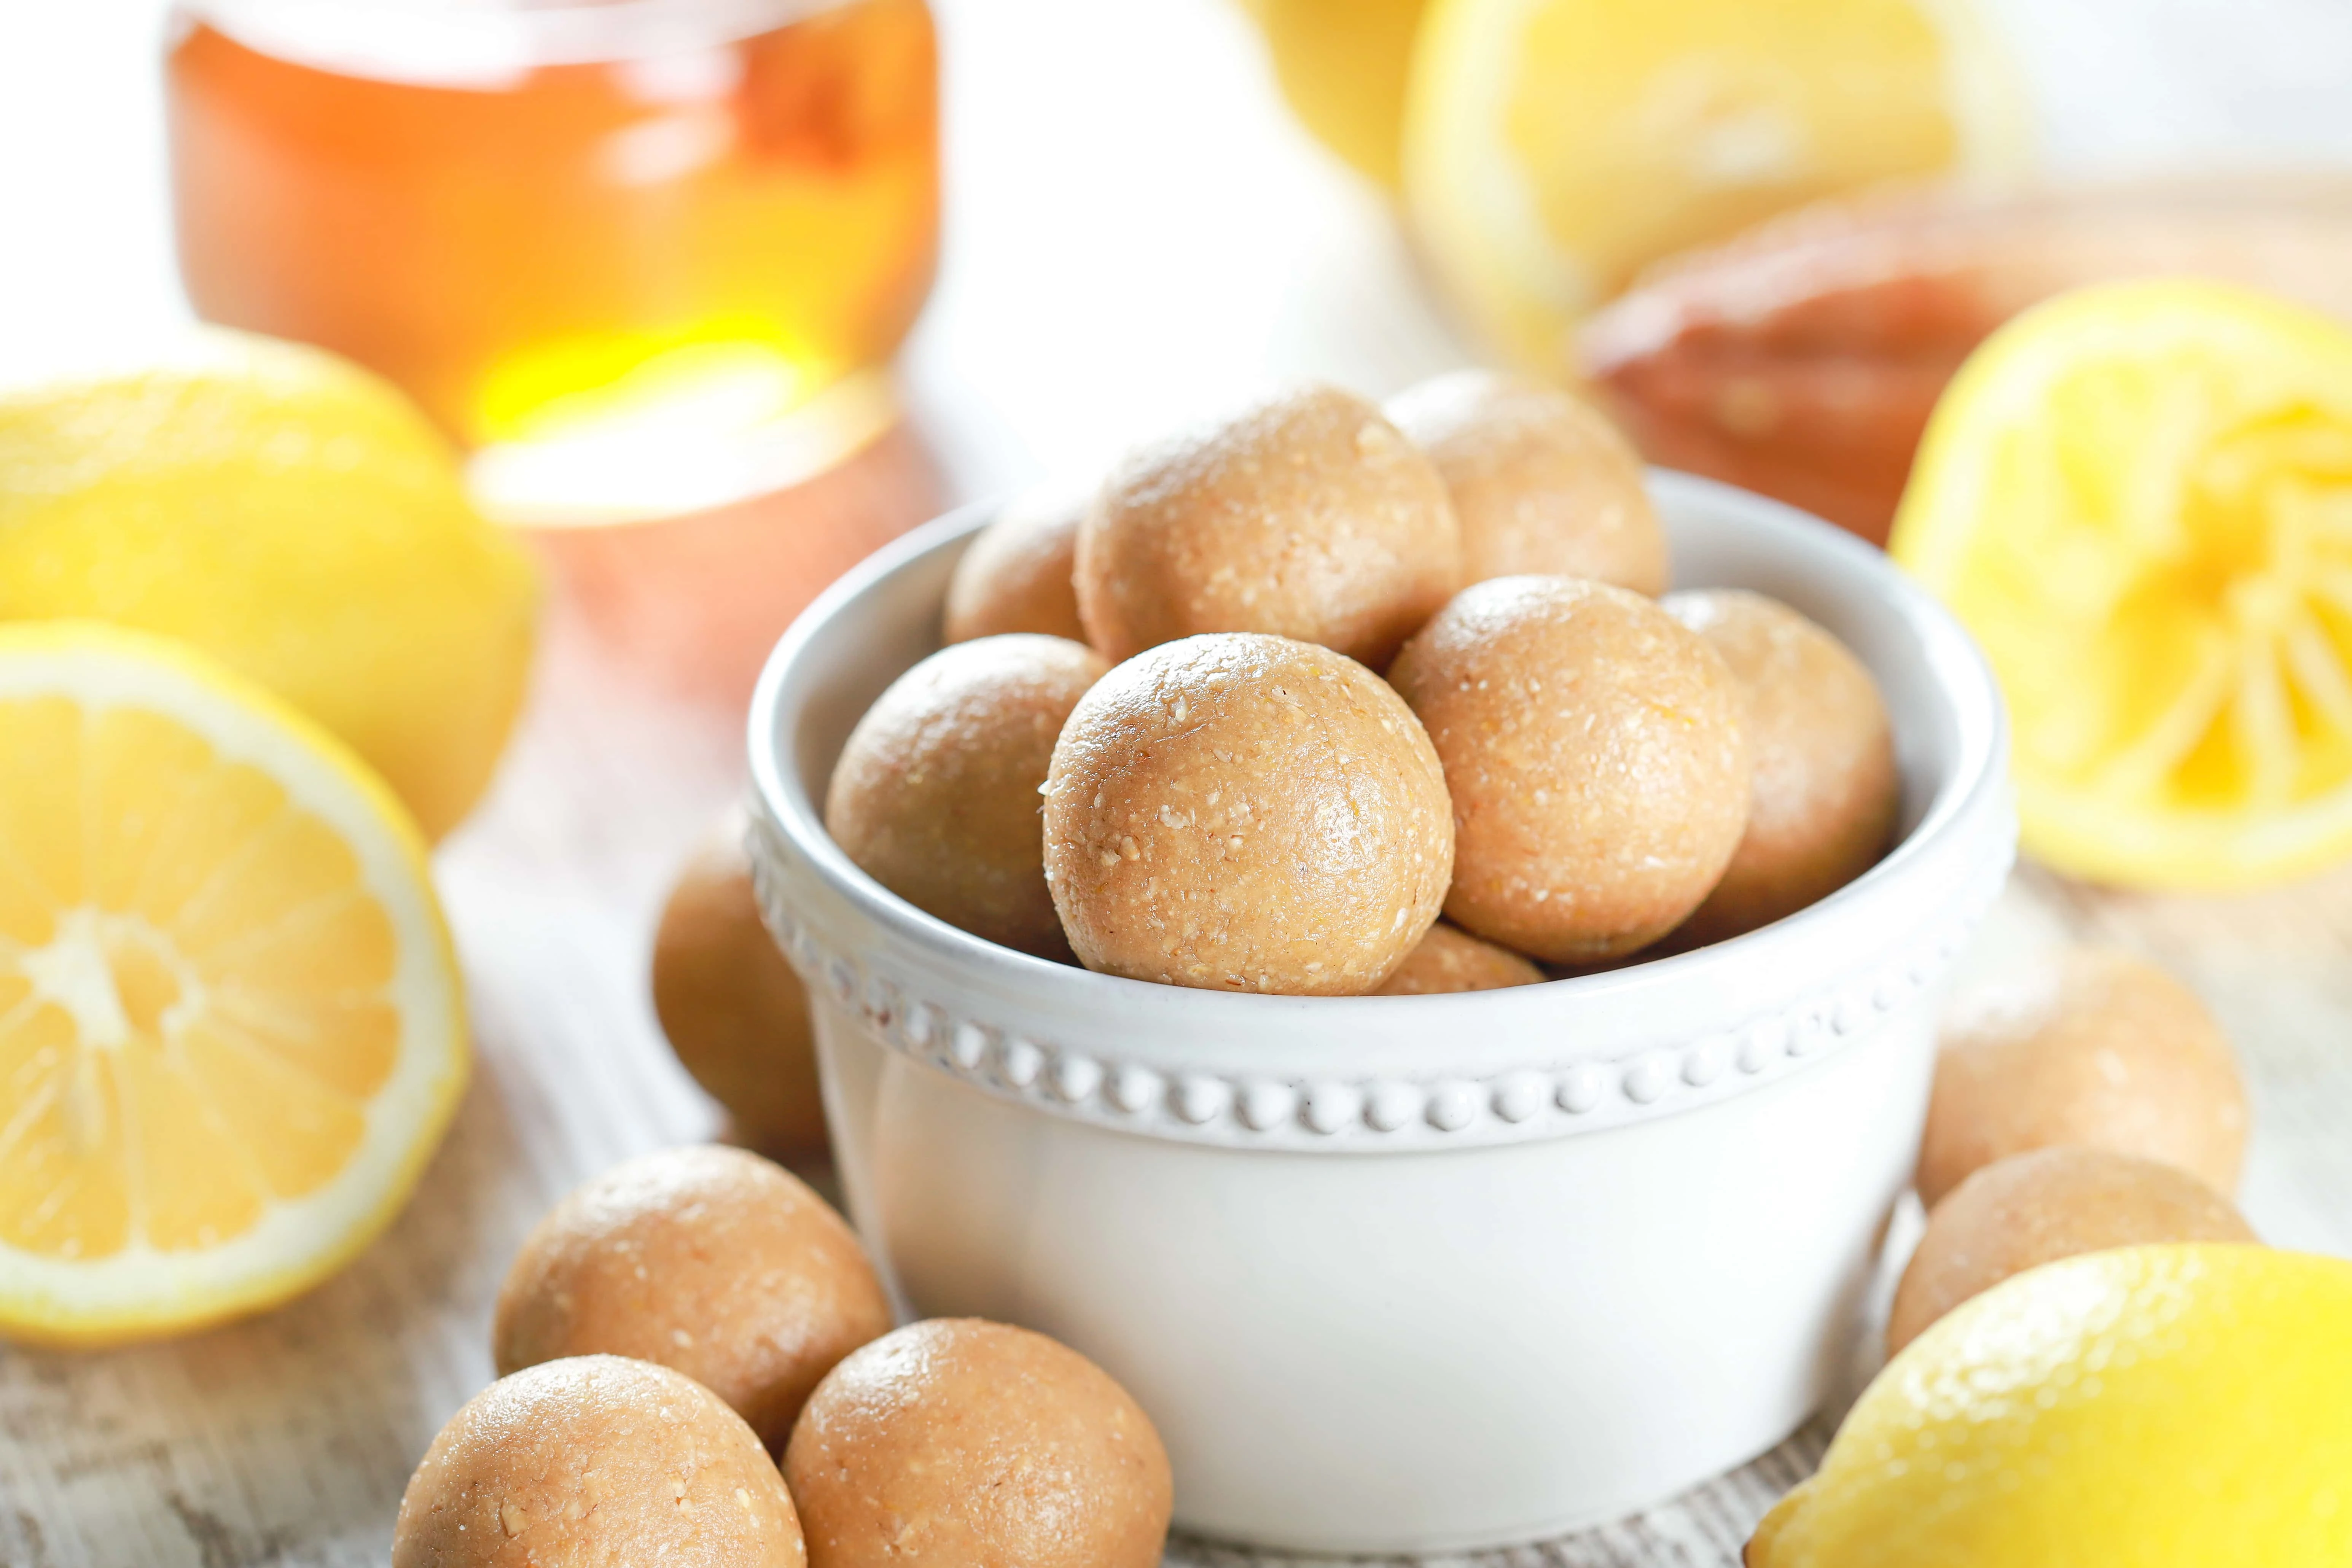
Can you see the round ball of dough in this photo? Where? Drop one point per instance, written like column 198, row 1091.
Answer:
column 732, row 1006
column 1306, row 516
column 1541, row 482
column 1016, row 575
column 1596, row 750
column 2035, row 1208
column 1447, row 959
column 935, row 795
column 1247, row 813
column 1821, row 809
column 2089, row 1047
column 596, row 1459
column 956, row 1442
column 710, row 1260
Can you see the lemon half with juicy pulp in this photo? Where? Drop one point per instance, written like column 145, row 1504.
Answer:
column 1554, row 148
column 2175, row 1406
column 231, row 1024
column 2138, row 498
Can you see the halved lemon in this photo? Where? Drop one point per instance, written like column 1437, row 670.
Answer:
column 1554, row 148
column 2138, row 497
column 231, row 1022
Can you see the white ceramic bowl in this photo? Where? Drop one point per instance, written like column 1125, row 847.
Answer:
column 1399, row 1274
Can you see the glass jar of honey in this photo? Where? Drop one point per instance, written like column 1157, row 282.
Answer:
column 639, row 257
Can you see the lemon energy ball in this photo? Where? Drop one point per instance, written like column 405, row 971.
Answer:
column 2030, row 1209
column 956, row 1442
column 1596, row 751
column 2082, row 1046
column 1822, row 807
column 1016, row 575
column 1541, row 482
column 1247, row 813
column 1308, row 515
column 709, row 1260
column 1447, row 959
column 596, row 1459
column 935, row 795
column 733, row 1008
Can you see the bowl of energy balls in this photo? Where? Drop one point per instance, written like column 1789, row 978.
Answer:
column 1408, row 942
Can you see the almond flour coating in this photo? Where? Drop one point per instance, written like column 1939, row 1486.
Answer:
column 1016, row 576
column 1447, row 959
column 1596, row 751
column 1306, row 516
column 2030, row 1209
column 2084, row 1046
column 962, row 1444
column 712, row 1261
column 935, row 795
column 1247, row 813
column 596, row 1459
column 1826, row 792
column 1541, row 482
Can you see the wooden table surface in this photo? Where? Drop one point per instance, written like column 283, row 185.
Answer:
column 1188, row 246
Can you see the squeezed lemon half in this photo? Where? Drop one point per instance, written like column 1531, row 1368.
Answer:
column 2138, row 497
column 231, row 1022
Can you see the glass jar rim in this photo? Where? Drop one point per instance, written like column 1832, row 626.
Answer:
column 483, row 43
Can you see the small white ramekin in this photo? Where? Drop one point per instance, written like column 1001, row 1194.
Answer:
column 1404, row 1274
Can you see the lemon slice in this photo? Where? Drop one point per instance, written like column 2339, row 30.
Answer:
column 2138, row 497
column 1553, row 148
column 231, row 1026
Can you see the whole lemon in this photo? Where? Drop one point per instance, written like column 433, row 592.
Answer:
column 1342, row 66
column 2174, row 1407
column 296, row 518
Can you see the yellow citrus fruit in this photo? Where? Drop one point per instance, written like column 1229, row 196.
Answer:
column 1342, row 65
column 2138, row 497
column 2178, row 1406
column 1553, row 148
column 296, row 518
column 231, row 1025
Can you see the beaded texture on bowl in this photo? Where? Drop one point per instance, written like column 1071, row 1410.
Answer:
column 1524, row 1103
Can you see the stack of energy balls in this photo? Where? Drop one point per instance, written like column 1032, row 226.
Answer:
column 698, row 1369
column 1289, row 685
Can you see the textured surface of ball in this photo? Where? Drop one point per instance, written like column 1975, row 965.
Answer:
column 1541, row 482
column 935, row 795
column 1596, row 751
column 1449, row 960
column 1307, row 516
column 2084, row 1046
column 1247, row 813
column 956, row 1442
column 733, row 1007
column 596, row 1461
column 2030, row 1209
column 709, row 1260
column 1822, row 807
column 1016, row 574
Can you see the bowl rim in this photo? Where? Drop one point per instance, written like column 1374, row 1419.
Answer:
column 1963, row 841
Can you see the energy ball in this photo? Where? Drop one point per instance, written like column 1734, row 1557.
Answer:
column 935, row 795
column 1822, row 807
column 596, row 1459
column 1247, row 813
column 1016, row 576
column 2089, row 1047
column 1447, row 959
column 709, row 1260
column 1596, row 750
column 1541, row 482
column 732, row 1006
column 2031, row 1209
column 956, row 1442
column 1306, row 516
